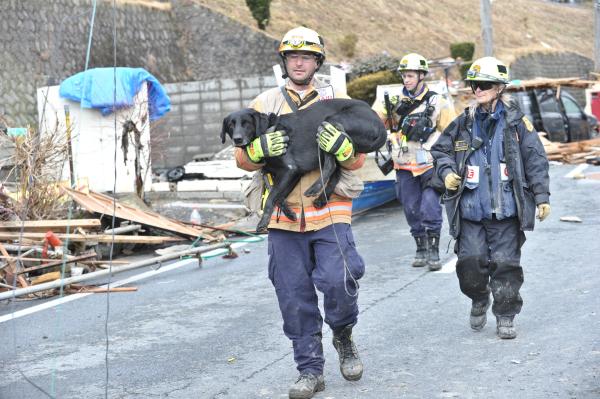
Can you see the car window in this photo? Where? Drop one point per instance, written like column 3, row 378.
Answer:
column 548, row 103
column 571, row 106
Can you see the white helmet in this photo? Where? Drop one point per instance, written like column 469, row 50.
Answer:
column 302, row 39
column 488, row 69
column 413, row 62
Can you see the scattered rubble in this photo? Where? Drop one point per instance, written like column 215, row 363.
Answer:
column 572, row 153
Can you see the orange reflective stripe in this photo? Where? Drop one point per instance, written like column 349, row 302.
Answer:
column 342, row 208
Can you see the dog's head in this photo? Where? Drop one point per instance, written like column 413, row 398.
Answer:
column 245, row 125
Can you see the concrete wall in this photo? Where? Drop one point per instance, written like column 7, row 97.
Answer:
column 43, row 42
column 553, row 65
column 197, row 110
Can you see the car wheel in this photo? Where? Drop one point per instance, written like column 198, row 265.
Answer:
column 175, row 174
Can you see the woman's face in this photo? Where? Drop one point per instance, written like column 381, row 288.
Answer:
column 485, row 92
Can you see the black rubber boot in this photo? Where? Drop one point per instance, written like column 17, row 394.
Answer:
column 350, row 365
column 479, row 313
column 421, row 254
column 433, row 251
column 505, row 327
column 306, row 386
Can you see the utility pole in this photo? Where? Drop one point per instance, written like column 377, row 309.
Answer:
column 486, row 28
column 597, row 35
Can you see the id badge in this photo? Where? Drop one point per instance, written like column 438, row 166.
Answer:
column 472, row 174
column 325, row 93
column 503, row 172
column 421, row 156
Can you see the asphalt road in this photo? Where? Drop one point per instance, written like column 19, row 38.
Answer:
column 215, row 331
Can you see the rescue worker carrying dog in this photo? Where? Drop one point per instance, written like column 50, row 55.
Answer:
column 420, row 114
column 304, row 254
column 496, row 172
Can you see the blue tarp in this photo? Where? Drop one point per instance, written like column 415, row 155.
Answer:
column 94, row 88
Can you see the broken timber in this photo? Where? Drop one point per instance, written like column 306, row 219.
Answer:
column 108, row 238
column 105, row 205
column 54, row 225
column 106, row 272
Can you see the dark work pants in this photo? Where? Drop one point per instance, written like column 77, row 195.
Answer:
column 489, row 256
column 299, row 262
column 421, row 205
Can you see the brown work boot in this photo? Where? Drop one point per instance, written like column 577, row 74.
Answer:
column 505, row 328
column 306, row 386
column 350, row 365
column 479, row 313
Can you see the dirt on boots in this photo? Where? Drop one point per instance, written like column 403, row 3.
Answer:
column 479, row 310
column 306, row 386
column 505, row 328
column 350, row 365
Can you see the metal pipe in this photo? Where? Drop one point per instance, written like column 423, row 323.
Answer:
column 124, row 229
column 93, row 275
column 36, row 248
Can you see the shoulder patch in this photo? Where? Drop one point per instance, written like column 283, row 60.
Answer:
column 528, row 124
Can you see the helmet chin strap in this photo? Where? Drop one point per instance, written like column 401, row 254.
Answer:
column 414, row 91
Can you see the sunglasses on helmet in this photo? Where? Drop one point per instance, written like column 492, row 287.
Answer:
column 483, row 86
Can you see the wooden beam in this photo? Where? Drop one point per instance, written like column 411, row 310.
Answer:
column 57, row 262
column 12, row 269
column 52, row 224
column 105, row 238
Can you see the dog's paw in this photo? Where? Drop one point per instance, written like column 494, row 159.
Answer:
column 312, row 191
column 261, row 227
column 289, row 214
column 320, row 202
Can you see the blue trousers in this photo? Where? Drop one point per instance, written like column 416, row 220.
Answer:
column 421, row 204
column 299, row 262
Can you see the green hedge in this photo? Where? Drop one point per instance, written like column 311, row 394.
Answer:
column 260, row 11
column 464, row 50
column 365, row 87
column 382, row 62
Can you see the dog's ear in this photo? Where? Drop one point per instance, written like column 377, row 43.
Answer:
column 224, row 129
column 261, row 122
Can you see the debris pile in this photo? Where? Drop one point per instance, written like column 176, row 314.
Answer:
column 573, row 153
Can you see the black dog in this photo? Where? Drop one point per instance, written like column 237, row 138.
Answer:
column 358, row 120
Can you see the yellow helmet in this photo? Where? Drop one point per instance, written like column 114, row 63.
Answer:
column 488, row 69
column 413, row 62
column 302, row 39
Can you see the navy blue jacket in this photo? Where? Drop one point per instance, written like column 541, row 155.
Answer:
column 525, row 160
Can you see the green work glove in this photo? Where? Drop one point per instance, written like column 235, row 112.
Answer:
column 452, row 181
column 268, row 145
column 334, row 140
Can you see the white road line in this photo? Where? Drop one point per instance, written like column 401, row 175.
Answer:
column 577, row 170
column 448, row 267
column 137, row 277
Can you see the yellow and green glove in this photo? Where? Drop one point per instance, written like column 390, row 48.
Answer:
column 334, row 140
column 268, row 145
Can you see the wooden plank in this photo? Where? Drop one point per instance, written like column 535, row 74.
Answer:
column 105, row 238
column 57, row 262
column 11, row 270
column 45, row 278
column 52, row 224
